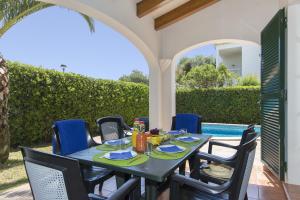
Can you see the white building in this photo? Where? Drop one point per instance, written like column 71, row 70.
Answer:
column 164, row 30
column 242, row 59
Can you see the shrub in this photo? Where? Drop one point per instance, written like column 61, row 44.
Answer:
column 135, row 76
column 38, row 97
column 203, row 76
column 207, row 76
column 249, row 80
column 226, row 105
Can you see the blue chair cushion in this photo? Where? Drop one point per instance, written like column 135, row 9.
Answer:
column 187, row 121
column 72, row 136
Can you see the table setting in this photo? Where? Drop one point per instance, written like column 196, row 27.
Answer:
column 156, row 144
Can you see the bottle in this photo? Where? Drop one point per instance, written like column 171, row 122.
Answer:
column 142, row 127
column 141, row 142
column 134, row 133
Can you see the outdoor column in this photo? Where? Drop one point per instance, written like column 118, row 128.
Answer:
column 168, row 92
column 155, row 97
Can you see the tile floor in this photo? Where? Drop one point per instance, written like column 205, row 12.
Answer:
column 263, row 185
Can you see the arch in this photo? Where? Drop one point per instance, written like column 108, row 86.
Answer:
column 219, row 41
column 121, row 16
column 91, row 9
column 230, row 19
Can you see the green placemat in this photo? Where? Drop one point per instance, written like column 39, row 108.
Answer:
column 139, row 159
column 185, row 144
column 105, row 147
column 168, row 156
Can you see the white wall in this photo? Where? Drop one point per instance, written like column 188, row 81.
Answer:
column 293, row 88
column 248, row 60
column 227, row 19
column 251, row 60
column 234, row 62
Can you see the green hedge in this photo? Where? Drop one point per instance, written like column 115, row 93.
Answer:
column 38, row 97
column 225, row 105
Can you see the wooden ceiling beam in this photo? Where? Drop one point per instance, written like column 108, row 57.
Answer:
column 145, row 7
column 182, row 12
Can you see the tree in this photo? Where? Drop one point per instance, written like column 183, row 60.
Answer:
column 225, row 77
column 203, row 76
column 135, row 76
column 186, row 64
column 4, row 132
column 13, row 11
column 249, row 80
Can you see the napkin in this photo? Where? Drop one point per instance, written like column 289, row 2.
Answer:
column 174, row 132
column 187, row 139
column 120, row 155
column 114, row 142
column 172, row 148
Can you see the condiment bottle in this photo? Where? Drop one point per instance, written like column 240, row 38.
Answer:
column 135, row 132
column 141, row 139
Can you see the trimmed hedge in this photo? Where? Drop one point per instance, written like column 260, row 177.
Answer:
column 237, row 105
column 39, row 96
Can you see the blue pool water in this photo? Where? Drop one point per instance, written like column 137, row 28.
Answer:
column 225, row 130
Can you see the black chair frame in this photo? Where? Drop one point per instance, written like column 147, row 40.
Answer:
column 73, row 179
column 181, row 185
column 209, row 157
column 119, row 121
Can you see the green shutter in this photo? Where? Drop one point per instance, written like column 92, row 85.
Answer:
column 273, row 94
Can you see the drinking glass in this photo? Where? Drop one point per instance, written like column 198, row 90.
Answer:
column 149, row 146
column 122, row 144
column 183, row 131
column 172, row 137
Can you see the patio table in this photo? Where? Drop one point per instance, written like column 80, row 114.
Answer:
column 155, row 171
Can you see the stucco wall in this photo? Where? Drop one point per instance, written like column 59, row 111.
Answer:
column 251, row 60
column 227, row 19
column 293, row 88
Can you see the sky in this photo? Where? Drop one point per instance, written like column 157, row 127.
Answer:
column 56, row 36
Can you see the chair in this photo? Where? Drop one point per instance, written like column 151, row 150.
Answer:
column 124, row 125
column 191, row 122
column 146, row 122
column 55, row 177
column 217, row 169
column 184, row 188
column 70, row 136
column 110, row 128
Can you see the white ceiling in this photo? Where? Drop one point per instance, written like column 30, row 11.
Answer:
column 167, row 6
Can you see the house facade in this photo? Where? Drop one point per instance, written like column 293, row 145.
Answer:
column 241, row 59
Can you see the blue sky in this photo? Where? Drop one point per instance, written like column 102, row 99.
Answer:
column 56, row 36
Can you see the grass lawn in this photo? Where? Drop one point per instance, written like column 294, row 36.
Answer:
column 12, row 173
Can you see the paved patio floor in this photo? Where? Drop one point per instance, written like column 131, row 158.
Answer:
column 263, row 185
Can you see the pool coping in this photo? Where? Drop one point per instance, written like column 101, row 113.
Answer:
column 229, row 138
column 215, row 123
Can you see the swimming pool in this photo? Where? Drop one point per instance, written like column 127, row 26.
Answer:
column 225, row 130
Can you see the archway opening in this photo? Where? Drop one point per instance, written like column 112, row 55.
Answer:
column 38, row 94
column 214, row 80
